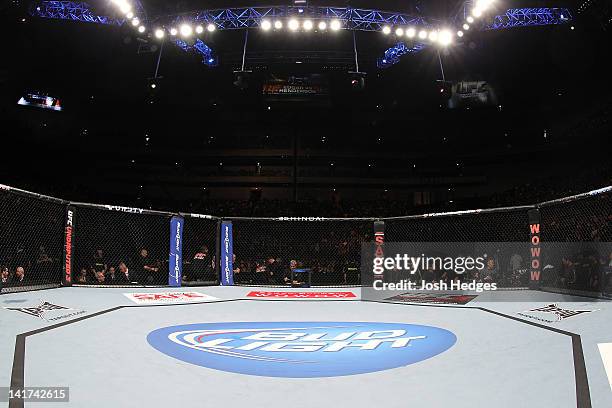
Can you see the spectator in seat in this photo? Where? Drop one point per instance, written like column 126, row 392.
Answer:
column 20, row 276
column 124, row 274
column 99, row 277
column 5, row 275
column 82, row 278
column 111, row 274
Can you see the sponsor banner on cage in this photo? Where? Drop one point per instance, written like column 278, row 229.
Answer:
column 552, row 313
column 175, row 266
column 302, row 349
column 433, row 298
column 301, row 295
column 168, row 297
column 48, row 311
column 227, row 254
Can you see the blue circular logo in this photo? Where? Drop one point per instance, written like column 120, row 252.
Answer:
column 301, row 349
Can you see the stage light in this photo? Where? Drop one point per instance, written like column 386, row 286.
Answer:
column 135, row 21
column 445, row 38
column 141, row 29
column 386, row 30
column 335, row 25
column 422, row 34
column 308, row 25
column 129, row 15
column 411, row 32
column 477, row 12
column 322, row 25
column 459, row 33
column 483, row 4
column 125, row 8
column 159, row 33
column 186, row 30
column 278, row 24
column 173, row 31
column 470, row 19
column 211, row 27
column 433, row 36
column 266, row 25
column 466, row 26
column 199, row 29
column 293, row 24
column 399, row 31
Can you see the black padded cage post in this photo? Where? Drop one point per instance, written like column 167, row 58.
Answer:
column 200, row 249
column 580, row 227
column 496, row 226
column 117, row 245
column 268, row 250
column 32, row 240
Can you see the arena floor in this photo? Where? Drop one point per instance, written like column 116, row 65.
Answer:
column 99, row 348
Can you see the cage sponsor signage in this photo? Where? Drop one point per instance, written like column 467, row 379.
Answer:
column 168, row 297
column 301, row 349
column 175, row 266
column 301, row 295
column 227, row 252
column 48, row 311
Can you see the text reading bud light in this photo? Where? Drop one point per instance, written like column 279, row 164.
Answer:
column 301, row 349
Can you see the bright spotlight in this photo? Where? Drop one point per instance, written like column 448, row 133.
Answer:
column 477, row 12
column 278, row 24
column 322, row 25
column 199, row 29
column 445, row 37
column 470, row 19
column 386, row 30
column 293, row 24
column 129, row 15
column 211, row 27
column 466, row 26
column 308, row 25
column 399, row 31
column 141, row 29
column 433, row 36
column 422, row 34
column 411, row 32
column 459, row 33
column 484, row 4
column 335, row 25
column 125, row 8
column 173, row 31
column 186, row 30
column 266, row 25
column 159, row 33
column 135, row 21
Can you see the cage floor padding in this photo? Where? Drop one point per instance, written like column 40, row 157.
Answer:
column 256, row 347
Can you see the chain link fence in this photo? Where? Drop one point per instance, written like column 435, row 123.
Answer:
column 200, row 266
column 31, row 240
column 111, row 245
column 580, row 261
column 497, row 232
column 319, row 252
column 120, row 245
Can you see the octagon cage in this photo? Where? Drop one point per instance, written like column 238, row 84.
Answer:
column 49, row 242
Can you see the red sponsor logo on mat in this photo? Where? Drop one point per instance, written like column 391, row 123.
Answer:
column 168, row 297
column 301, row 295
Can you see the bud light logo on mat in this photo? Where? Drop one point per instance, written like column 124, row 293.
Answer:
column 301, row 349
